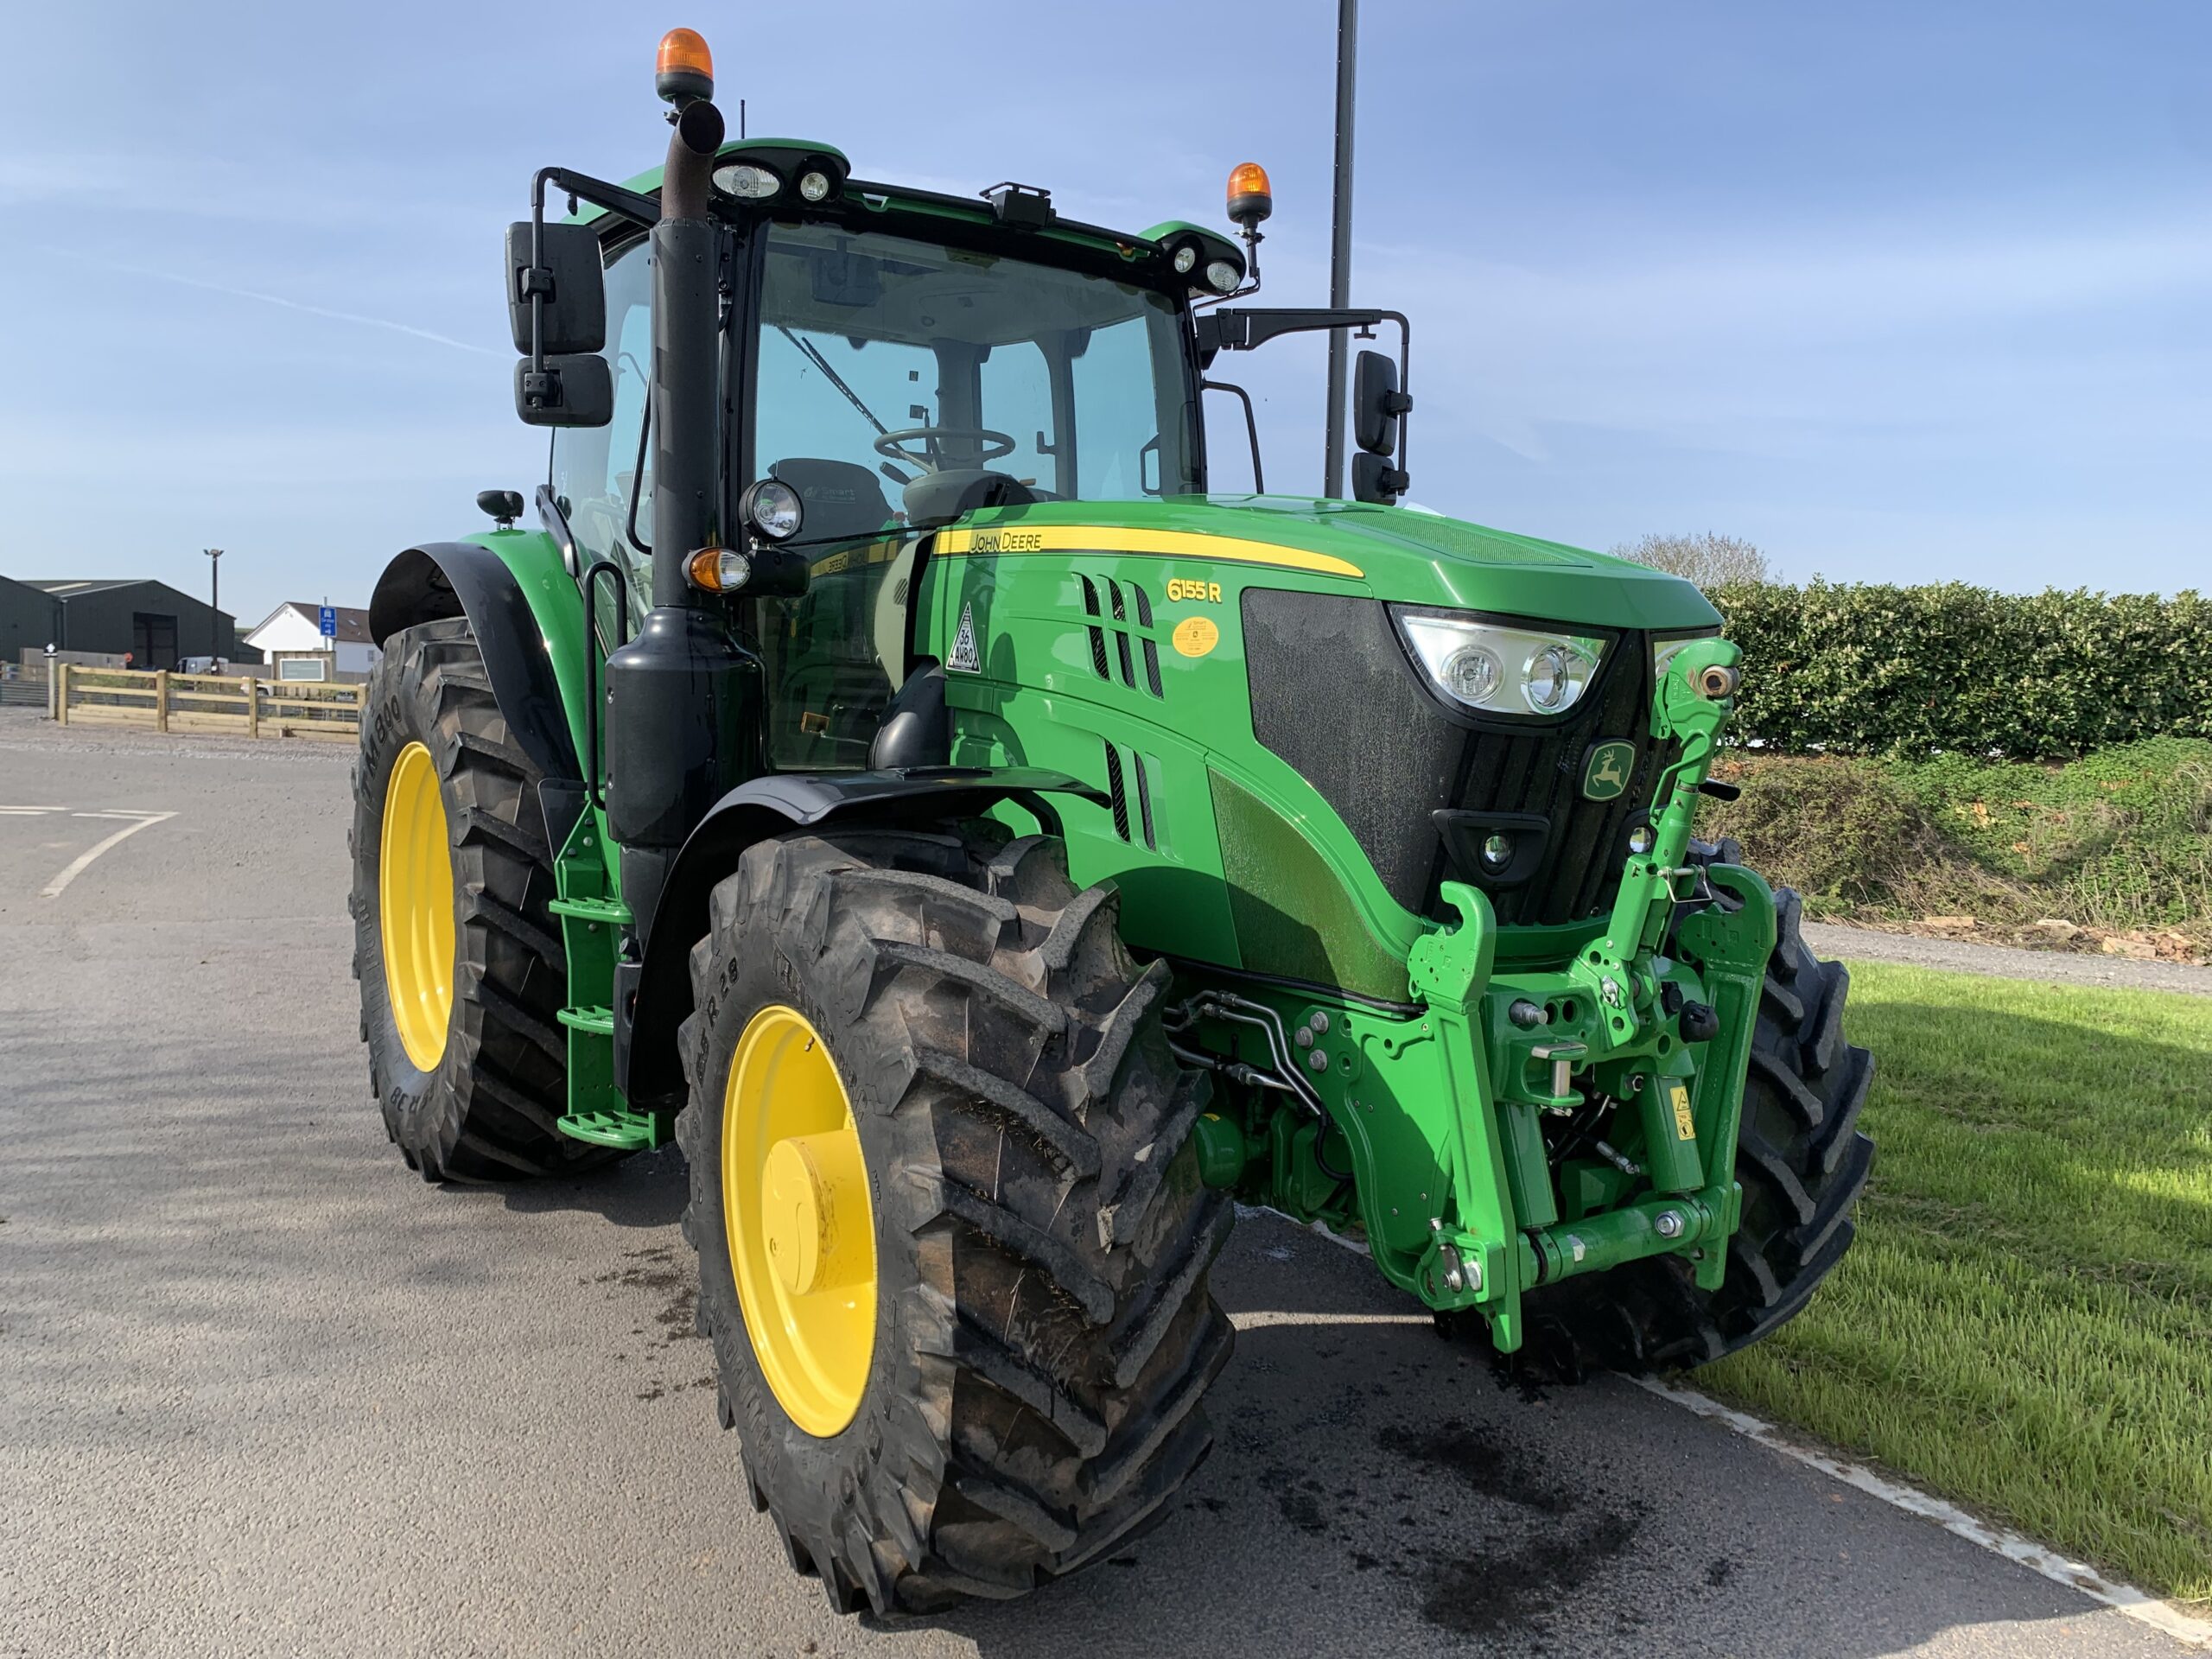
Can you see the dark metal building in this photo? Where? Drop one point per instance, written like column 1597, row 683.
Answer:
column 30, row 619
column 151, row 619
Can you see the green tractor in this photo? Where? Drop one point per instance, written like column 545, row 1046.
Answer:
column 889, row 773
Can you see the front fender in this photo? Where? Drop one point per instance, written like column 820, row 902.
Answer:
column 646, row 1065
column 529, row 620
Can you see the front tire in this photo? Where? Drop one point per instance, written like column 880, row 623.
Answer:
column 1040, row 1326
column 1803, row 1163
column 460, row 964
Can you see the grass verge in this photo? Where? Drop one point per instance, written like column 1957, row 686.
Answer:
column 2025, row 1323
column 2113, row 850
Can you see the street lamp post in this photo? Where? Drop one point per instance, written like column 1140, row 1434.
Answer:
column 214, row 596
column 1332, row 460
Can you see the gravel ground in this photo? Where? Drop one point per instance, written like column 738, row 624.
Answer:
column 261, row 1392
column 2004, row 962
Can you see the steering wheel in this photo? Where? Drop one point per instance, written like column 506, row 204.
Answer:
column 996, row 445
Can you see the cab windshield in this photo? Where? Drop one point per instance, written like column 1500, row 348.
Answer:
column 902, row 381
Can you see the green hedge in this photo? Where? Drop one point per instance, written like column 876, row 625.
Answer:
column 1863, row 669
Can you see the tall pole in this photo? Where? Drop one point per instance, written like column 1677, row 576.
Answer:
column 1332, row 460
column 215, row 598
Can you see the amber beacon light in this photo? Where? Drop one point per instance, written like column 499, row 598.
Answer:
column 1251, row 197
column 683, row 69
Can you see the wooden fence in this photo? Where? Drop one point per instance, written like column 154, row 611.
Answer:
column 243, row 706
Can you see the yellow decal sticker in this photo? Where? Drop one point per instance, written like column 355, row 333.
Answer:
column 1195, row 636
column 1179, row 588
column 1125, row 541
column 1007, row 541
column 1685, row 1125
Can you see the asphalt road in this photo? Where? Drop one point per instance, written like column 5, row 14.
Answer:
column 262, row 1391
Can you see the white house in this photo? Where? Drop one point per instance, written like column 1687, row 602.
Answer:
column 295, row 627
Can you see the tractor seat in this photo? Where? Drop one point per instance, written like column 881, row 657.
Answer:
column 843, row 501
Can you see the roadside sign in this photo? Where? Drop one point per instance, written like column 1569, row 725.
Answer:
column 330, row 622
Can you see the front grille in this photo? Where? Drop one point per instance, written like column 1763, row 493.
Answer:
column 1334, row 694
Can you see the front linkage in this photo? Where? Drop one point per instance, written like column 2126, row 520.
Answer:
column 1523, row 1125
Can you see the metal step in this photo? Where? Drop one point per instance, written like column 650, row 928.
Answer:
column 598, row 1020
column 628, row 1131
column 613, row 911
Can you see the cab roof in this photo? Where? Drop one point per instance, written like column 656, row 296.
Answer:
column 906, row 198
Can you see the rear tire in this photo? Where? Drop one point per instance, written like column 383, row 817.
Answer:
column 485, row 1108
column 1044, row 1331
column 1803, row 1163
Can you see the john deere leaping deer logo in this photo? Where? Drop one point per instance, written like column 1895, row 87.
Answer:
column 1605, row 774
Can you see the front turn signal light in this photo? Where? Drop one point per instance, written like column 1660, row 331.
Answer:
column 719, row 570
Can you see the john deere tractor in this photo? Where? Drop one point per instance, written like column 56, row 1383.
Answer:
column 890, row 773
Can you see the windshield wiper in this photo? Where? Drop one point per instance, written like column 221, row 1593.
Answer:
column 813, row 352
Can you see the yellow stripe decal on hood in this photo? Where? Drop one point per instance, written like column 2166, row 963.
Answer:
column 1165, row 543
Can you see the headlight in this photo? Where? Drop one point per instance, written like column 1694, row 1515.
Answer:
column 1498, row 669
column 1186, row 258
column 772, row 507
column 1223, row 276
column 744, row 178
column 814, row 185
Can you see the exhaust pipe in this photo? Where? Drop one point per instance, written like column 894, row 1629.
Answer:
column 686, row 308
column 683, row 697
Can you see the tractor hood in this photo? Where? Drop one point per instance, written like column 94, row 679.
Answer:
column 1395, row 553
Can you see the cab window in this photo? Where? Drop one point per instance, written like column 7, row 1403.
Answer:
column 894, row 377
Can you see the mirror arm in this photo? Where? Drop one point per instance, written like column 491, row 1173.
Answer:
column 1405, row 399
column 625, row 204
column 642, row 211
column 1234, row 328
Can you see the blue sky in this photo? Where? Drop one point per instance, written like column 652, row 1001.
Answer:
column 1899, row 292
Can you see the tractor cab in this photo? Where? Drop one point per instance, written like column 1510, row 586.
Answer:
column 887, row 362
column 890, row 386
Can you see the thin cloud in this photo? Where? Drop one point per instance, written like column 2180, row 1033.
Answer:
column 357, row 317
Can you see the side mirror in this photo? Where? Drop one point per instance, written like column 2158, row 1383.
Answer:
column 570, row 278
column 1376, row 402
column 1374, row 480
column 577, row 390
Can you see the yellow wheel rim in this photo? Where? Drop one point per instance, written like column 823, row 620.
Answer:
column 414, row 906
column 800, row 1226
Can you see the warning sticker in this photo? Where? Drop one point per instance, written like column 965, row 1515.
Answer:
column 1195, row 636
column 1685, row 1125
column 963, row 658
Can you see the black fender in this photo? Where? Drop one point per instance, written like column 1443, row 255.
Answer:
column 646, row 1065
column 440, row 580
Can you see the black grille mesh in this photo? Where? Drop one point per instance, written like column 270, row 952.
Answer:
column 1335, row 695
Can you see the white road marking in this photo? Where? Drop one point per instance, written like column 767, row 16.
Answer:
column 126, row 812
column 30, row 811
column 2125, row 1598
column 77, row 866
column 1265, row 1319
